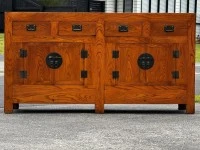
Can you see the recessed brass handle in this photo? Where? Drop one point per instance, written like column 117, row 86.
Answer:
column 31, row 27
column 76, row 27
column 169, row 28
column 123, row 28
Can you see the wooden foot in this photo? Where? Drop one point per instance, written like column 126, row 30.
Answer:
column 190, row 109
column 99, row 109
column 8, row 107
column 15, row 106
column 181, row 106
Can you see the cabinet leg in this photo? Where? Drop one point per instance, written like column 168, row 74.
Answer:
column 181, row 106
column 16, row 106
column 190, row 108
column 99, row 109
column 8, row 107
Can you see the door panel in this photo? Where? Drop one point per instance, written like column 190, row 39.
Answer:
column 110, row 63
column 69, row 72
column 89, row 64
column 181, row 64
column 35, row 63
column 164, row 65
column 129, row 71
column 18, row 63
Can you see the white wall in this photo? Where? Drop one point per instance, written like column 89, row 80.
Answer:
column 120, row 6
column 154, row 6
column 178, row 3
column 162, row 6
column 137, row 6
column 171, row 6
column 110, row 6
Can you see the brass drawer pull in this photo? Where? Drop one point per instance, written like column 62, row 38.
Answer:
column 123, row 28
column 169, row 28
column 76, row 27
column 31, row 27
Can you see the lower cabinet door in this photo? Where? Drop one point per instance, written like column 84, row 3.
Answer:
column 53, row 63
column 36, row 71
column 142, row 72
column 163, row 71
column 54, row 73
column 69, row 73
column 140, row 64
column 127, row 64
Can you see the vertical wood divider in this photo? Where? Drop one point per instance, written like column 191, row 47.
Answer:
column 190, row 107
column 8, row 104
column 100, row 56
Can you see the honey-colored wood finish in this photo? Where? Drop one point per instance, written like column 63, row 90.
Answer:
column 99, row 34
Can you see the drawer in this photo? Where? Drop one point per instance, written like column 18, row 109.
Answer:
column 77, row 28
column 123, row 29
column 169, row 29
column 31, row 28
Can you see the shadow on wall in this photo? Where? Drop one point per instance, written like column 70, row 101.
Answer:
column 1, row 91
column 198, row 39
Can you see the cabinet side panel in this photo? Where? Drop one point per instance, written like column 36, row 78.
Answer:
column 9, row 63
column 190, row 107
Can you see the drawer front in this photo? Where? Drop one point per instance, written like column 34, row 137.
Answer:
column 169, row 29
column 77, row 28
column 123, row 29
column 31, row 28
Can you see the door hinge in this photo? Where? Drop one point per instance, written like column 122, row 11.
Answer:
column 176, row 54
column 23, row 53
column 115, row 74
column 84, row 74
column 23, row 74
column 175, row 74
column 84, row 54
column 115, row 54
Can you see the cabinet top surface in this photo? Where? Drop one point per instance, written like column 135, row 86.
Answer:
column 87, row 16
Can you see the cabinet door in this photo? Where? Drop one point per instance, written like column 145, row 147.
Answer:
column 37, row 72
column 15, row 63
column 110, row 64
column 69, row 73
column 164, row 65
column 126, row 64
column 181, row 65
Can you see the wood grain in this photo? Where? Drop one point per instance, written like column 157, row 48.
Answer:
column 53, row 94
column 99, row 36
column 100, row 64
column 129, row 71
column 90, row 65
column 110, row 63
column 112, row 28
column 164, row 65
column 88, row 28
column 35, row 63
column 180, row 28
column 9, row 66
column 190, row 58
column 42, row 28
column 181, row 64
column 145, row 95
column 70, row 70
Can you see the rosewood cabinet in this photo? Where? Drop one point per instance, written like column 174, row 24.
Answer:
column 96, row 58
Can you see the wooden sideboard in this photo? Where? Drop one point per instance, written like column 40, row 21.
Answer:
column 99, row 58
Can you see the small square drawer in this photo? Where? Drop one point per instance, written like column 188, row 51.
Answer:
column 123, row 29
column 31, row 28
column 169, row 29
column 77, row 28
